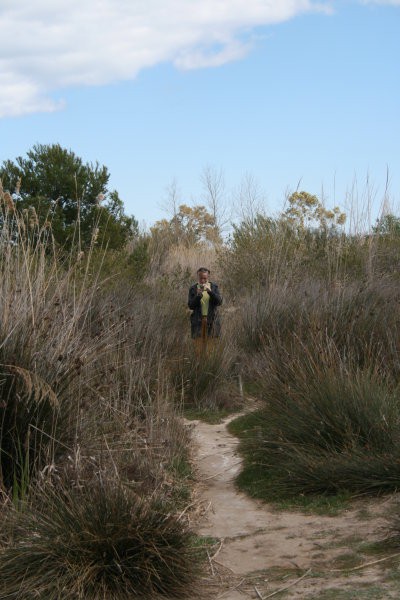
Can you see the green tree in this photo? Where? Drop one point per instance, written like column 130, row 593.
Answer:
column 67, row 193
column 388, row 225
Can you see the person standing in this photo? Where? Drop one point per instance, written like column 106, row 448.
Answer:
column 204, row 299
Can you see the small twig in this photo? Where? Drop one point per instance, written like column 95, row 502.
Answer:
column 287, row 586
column 258, row 593
column 211, row 565
column 207, row 508
column 185, row 510
column 230, row 589
column 112, row 460
column 224, row 566
column 219, row 549
column 368, row 564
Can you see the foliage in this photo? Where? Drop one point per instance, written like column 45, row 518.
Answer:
column 305, row 211
column 325, row 430
column 139, row 257
column 258, row 481
column 388, row 225
column 94, row 542
column 189, row 226
column 62, row 191
column 28, row 416
column 206, row 379
column 323, row 357
column 385, row 243
column 306, row 237
column 360, row 319
column 81, row 338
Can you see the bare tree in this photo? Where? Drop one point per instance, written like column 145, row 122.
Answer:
column 249, row 199
column 215, row 196
column 173, row 198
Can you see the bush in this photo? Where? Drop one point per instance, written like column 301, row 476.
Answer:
column 327, row 427
column 75, row 346
column 29, row 412
column 95, row 542
column 208, row 380
column 361, row 320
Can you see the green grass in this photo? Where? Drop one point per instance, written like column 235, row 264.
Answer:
column 259, row 482
column 327, row 431
column 245, row 426
column 369, row 592
column 204, row 545
column 208, row 415
column 181, row 491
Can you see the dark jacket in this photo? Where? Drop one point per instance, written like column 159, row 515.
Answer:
column 213, row 322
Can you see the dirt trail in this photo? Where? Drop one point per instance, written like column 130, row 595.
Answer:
column 262, row 550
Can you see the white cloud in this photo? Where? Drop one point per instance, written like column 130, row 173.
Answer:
column 46, row 46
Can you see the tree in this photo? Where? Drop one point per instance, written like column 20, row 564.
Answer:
column 388, row 225
column 213, row 182
column 189, row 226
column 68, row 194
column 307, row 211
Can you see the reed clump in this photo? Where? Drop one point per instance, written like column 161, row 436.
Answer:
column 318, row 341
column 88, row 423
column 208, row 378
column 94, row 542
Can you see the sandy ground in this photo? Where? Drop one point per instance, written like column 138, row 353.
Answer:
column 262, row 550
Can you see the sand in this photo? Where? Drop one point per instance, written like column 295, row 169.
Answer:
column 261, row 550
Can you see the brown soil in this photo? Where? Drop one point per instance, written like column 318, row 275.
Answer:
column 261, row 550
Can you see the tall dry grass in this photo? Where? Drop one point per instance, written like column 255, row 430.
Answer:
column 319, row 346
column 86, row 396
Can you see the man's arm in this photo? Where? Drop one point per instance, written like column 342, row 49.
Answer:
column 215, row 295
column 194, row 298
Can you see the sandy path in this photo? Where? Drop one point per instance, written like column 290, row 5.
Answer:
column 257, row 542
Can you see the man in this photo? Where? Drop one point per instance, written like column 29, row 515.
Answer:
column 204, row 298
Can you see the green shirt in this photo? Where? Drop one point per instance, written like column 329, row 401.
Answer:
column 205, row 301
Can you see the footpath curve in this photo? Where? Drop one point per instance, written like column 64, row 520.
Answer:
column 262, row 550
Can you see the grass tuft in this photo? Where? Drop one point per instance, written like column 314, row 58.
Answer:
column 100, row 541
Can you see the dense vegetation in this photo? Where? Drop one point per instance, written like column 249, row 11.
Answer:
column 319, row 339
column 97, row 365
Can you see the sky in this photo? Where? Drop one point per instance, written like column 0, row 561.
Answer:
column 281, row 94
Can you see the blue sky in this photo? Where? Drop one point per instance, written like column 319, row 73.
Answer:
column 279, row 92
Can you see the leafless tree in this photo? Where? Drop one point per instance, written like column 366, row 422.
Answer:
column 215, row 196
column 173, row 199
column 249, row 199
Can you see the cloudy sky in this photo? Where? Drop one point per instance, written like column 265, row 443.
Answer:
column 282, row 91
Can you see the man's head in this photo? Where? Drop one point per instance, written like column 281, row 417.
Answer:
column 203, row 275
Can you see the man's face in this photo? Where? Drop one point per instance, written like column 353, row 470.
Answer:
column 203, row 277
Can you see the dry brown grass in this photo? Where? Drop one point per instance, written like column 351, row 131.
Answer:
column 94, row 353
